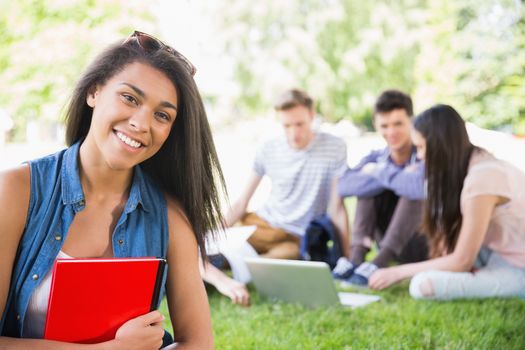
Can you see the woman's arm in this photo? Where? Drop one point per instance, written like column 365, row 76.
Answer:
column 476, row 218
column 187, row 300
column 14, row 203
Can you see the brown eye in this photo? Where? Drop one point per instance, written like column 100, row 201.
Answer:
column 163, row 116
column 130, row 99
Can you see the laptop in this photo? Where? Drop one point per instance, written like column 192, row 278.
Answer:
column 305, row 282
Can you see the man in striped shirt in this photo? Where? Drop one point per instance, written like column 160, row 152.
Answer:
column 389, row 185
column 303, row 166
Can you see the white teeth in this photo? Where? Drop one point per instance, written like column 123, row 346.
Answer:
column 128, row 141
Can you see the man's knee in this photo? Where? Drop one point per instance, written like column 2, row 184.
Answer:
column 284, row 250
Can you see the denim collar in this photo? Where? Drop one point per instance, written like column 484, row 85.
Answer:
column 72, row 193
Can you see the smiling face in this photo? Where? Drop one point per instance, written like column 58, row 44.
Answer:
column 133, row 114
column 395, row 128
column 297, row 125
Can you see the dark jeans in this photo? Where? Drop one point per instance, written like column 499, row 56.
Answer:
column 167, row 339
column 392, row 222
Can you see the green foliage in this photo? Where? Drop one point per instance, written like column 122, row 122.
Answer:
column 345, row 52
column 44, row 47
column 466, row 53
column 396, row 322
column 476, row 53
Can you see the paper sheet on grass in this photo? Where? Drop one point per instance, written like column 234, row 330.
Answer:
column 356, row 300
column 232, row 243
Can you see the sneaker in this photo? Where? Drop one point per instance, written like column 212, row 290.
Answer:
column 361, row 274
column 343, row 269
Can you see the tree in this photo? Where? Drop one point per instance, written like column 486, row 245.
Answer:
column 472, row 57
column 462, row 52
column 46, row 44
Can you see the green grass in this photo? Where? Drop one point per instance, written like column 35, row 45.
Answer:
column 396, row 322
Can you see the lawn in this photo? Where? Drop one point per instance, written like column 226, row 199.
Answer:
column 396, row 322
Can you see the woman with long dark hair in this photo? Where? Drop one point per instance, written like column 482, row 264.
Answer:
column 474, row 217
column 140, row 178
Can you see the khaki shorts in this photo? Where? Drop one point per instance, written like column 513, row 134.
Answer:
column 271, row 242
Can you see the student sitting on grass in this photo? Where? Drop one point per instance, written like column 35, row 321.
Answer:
column 389, row 184
column 303, row 165
column 474, row 217
column 139, row 179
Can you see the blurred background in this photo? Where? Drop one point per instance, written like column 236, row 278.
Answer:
column 467, row 53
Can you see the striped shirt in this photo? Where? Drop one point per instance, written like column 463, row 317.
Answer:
column 301, row 179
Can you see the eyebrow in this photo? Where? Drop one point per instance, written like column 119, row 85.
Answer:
column 143, row 95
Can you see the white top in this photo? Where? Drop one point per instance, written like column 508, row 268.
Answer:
column 35, row 318
column 506, row 232
column 301, row 179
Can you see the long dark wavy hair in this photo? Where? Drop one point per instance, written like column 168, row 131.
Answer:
column 186, row 167
column 448, row 152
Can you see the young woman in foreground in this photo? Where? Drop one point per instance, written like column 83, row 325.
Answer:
column 139, row 179
column 474, row 217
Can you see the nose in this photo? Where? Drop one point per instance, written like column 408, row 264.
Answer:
column 390, row 131
column 140, row 120
column 292, row 133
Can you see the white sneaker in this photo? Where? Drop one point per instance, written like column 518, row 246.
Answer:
column 343, row 269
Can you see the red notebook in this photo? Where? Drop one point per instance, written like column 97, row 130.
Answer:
column 91, row 298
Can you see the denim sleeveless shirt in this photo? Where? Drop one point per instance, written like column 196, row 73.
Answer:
column 56, row 196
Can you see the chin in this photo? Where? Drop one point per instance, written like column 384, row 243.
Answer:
column 395, row 147
column 399, row 146
column 120, row 165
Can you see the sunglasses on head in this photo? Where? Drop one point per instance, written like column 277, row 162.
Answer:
column 151, row 44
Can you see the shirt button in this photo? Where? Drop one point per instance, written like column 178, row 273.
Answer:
column 58, row 237
column 34, row 277
column 17, row 317
column 120, row 241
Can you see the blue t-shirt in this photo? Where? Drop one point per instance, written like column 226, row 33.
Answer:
column 56, row 196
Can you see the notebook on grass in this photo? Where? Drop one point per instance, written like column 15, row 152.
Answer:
column 91, row 298
column 306, row 282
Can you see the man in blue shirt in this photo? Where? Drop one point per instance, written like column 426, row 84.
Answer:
column 389, row 185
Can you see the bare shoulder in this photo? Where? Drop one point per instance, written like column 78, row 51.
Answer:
column 14, row 202
column 20, row 174
column 15, row 185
